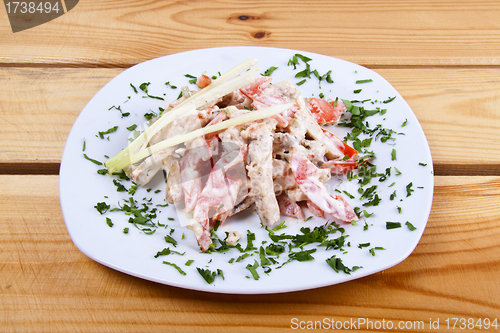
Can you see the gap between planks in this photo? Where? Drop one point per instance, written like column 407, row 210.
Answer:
column 30, row 168
column 127, row 64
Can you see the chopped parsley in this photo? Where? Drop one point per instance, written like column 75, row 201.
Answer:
column 150, row 115
column 135, row 89
column 375, row 202
column 170, row 240
column 192, row 78
column 295, row 60
column 166, row 252
column 109, row 131
column 337, row 265
column 270, row 71
column 175, row 266
column 92, row 160
column 250, row 239
column 390, row 99
column 253, row 270
column 410, row 226
column 409, row 189
column 392, row 225
column 304, row 255
column 373, row 249
column 208, row 275
column 119, row 186
column 102, row 207
column 123, row 114
column 170, row 85
column 281, row 226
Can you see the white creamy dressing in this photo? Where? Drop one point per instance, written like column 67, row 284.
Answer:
column 319, row 195
column 196, row 227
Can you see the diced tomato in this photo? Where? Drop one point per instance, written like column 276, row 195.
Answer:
column 339, row 167
column 289, row 207
column 257, row 87
column 255, row 91
column 203, row 81
column 341, row 145
column 315, row 210
column 324, row 112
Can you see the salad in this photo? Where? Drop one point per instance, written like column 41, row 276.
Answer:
column 243, row 142
column 282, row 177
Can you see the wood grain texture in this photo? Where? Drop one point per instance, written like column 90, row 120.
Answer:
column 459, row 110
column 120, row 33
column 47, row 285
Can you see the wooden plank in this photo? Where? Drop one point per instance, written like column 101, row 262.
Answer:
column 38, row 108
column 122, row 33
column 46, row 284
column 459, row 110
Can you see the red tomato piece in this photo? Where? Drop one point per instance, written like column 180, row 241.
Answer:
column 315, row 210
column 203, row 81
column 341, row 145
column 256, row 88
column 289, row 208
column 324, row 112
column 339, row 167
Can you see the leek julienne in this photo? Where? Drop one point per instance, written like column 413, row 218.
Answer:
column 226, row 83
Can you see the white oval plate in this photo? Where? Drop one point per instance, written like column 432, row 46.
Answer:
column 81, row 188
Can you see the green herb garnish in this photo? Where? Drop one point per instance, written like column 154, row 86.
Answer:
column 92, row 160
column 102, row 207
column 109, row 131
column 409, row 190
column 253, row 270
column 175, row 266
column 392, row 225
column 373, row 249
column 270, row 71
column 410, row 226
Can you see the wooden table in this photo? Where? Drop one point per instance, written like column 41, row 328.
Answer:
column 442, row 56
